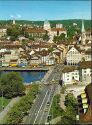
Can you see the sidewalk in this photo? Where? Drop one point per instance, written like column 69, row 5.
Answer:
column 62, row 99
column 8, row 107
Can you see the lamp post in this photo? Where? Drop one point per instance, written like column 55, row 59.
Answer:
column 2, row 100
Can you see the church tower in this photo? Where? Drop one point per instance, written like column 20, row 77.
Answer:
column 13, row 22
column 83, row 36
column 47, row 25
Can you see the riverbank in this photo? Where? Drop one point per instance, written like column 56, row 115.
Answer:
column 24, row 69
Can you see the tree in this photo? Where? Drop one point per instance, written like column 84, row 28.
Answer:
column 70, row 100
column 69, row 116
column 11, row 84
column 31, row 37
column 13, row 32
column 45, row 37
column 62, row 37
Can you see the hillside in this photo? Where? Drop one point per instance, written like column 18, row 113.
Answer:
column 65, row 23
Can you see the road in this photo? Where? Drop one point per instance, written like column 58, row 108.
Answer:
column 36, row 114
column 40, row 110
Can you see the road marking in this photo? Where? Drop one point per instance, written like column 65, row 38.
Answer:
column 45, row 105
column 40, row 107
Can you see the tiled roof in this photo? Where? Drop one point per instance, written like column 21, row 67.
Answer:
column 88, row 52
column 58, row 29
column 85, row 64
column 69, row 69
column 36, row 30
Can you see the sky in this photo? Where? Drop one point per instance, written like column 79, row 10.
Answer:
column 42, row 10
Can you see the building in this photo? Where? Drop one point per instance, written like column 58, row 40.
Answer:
column 88, row 55
column 73, row 56
column 83, row 36
column 70, row 74
column 47, row 25
column 85, row 105
column 22, row 62
column 35, row 60
column 3, row 32
column 85, row 71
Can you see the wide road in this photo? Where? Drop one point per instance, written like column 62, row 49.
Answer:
column 40, row 110
column 37, row 111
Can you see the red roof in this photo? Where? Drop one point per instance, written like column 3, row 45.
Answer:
column 58, row 29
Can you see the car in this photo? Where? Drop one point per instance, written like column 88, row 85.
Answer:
column 48, row 103
column 46, row 109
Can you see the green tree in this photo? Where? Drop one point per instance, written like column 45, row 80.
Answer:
column 45, row 37
column 62, row 37
column 11, row 84
column 13, row 32
column 70, row 100
column 31, row 37
column 69, row 116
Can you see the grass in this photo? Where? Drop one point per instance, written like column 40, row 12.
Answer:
column 5, row 102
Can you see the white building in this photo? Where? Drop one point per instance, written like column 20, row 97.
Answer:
column 47, row 25
column 3, row 32
column 70, row 74
column 73, row 56
column 86, row 71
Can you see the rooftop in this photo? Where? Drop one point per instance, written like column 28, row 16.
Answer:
column 85, row 64
column 69, row 69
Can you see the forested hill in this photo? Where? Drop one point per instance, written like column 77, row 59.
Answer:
column 65, row 23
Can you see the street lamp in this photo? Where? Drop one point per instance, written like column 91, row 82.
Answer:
column 2, row 100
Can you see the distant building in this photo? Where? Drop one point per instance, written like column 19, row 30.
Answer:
column 47, row 25
column 83, row 37
column 13, row 22
column 59, row 25
column 3, row 32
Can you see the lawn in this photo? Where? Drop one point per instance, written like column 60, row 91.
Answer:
column 5, row 102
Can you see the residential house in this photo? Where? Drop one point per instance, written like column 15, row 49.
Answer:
column 6, row 58
column 22, row 62
column 3, row 32
column 35, row 60
column 13, row 63
column 88, row 55
column 85, row 71
column 70, row 74
column 73, row 56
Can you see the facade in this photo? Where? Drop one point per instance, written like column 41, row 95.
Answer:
column 70, row 74
column 22, row 62
column 47, row 25
column 36, row 32
column 35, row 61
column 73, row 56
column 2, row 32
column 86, row 71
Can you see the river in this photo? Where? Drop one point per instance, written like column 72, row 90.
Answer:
column 29, row 76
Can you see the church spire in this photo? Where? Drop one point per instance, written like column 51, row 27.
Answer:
column 83, row 29
column 83, row 33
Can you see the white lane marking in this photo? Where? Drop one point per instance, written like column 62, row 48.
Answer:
column 45, row 105
column 40, row 108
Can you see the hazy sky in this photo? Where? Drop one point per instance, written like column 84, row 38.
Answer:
column 41, row 10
